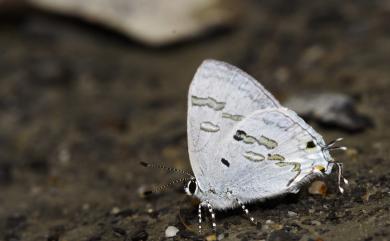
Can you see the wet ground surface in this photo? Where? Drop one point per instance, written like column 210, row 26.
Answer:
column 80, row 107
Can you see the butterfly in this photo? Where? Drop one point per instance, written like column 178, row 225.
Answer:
column 244, row 146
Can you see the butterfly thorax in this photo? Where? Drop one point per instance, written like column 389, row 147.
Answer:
column 219, row 200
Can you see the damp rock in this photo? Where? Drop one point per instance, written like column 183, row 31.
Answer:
column 155, row 23
column 318, row 188
column 331, row 110
column 171, row 231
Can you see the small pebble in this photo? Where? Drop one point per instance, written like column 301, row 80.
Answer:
column 315, row 222
column 150, row 210
column 211, row 237
column 318, row 188
column 115, row 210
column 312, row 55
column 85, row 206
column 64, row 156
column 171, row 231
column 269, row 221
column 292, row 214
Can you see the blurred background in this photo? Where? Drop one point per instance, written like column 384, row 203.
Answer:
column 90, row 88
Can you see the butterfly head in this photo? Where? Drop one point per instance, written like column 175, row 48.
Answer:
column 191, row 188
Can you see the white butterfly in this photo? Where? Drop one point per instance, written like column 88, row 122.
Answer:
column 243, row 145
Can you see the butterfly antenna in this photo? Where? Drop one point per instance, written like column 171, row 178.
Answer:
column 331, row 145
column 163, row 187
column 169, row 169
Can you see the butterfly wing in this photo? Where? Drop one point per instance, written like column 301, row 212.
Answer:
column 270, row 152
column 220, row 96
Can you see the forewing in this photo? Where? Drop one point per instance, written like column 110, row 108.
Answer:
column 270, row 152
column 220, row 96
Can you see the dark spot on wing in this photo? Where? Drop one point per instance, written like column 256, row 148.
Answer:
column 225, row 162
column 239, row 136
column 310, row 144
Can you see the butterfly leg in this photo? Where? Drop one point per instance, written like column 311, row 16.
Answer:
column 340, row 176
column 246, row 211
column 200, row 217
column 211, row 211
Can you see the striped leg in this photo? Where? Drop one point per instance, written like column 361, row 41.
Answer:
column 246, row 211
column 200, row 217
column 212, row 216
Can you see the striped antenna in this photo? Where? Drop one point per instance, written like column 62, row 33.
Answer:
column 163, row 187
column 169, row 169
column 331, row 145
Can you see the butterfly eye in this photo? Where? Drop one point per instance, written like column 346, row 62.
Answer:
column 191, row 187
